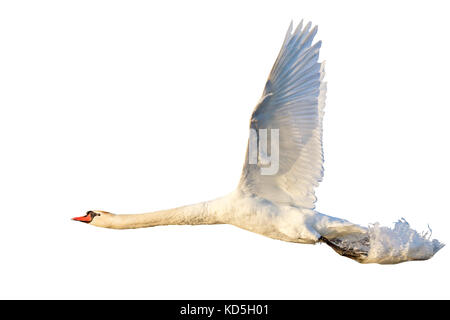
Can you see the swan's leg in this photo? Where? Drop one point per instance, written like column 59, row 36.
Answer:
column 357, row 250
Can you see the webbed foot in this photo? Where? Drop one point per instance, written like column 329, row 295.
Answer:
column 357, row 250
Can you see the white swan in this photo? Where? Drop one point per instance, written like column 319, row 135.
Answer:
column 275, row 196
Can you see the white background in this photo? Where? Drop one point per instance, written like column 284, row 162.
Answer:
column 133, row 106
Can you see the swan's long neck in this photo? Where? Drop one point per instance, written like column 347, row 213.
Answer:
column 187, row 215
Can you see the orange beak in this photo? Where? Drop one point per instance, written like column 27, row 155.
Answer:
column 86, row 218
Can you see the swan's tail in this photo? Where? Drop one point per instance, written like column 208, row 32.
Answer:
column 385, row 245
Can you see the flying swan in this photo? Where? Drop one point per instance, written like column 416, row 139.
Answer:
column 284, row 163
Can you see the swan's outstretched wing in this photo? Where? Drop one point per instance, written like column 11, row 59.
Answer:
column 292, row 102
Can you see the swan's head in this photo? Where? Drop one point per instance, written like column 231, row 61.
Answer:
column 96, row 218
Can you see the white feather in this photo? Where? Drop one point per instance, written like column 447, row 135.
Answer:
column 292, row 102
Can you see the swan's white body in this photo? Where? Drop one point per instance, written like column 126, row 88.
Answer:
column 280, row 205
column 282, row 222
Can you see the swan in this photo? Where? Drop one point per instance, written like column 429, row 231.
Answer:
column 284, row 163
